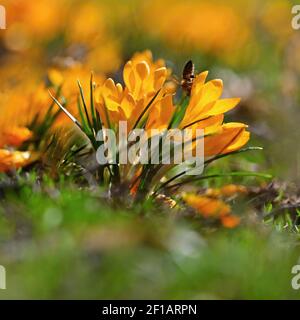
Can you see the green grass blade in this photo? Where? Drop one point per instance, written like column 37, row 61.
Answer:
column 222, row 175
column 66, row 112
column 84, row 106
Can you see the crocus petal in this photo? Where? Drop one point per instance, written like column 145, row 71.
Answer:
column 127, row 104
column 160, row 75
column 210, row 125
column 161, row 113
column 143, row 70
column 211, row 91
column 128, row 76
column 202, row 100
column 232, row 137
column 199, row 82
column 223, row 105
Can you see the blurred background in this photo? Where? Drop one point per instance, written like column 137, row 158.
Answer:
column 251, row 46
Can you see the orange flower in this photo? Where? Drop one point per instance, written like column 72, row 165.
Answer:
column 143, row 78
column 212, row 208
column 14, row 136
column 206, row 26
column 230, row 221
column 23, row 105
column 232, row 189
column 13, row 159
column 147, row 56
column 206, row 110
column 226, row 191
column 231, row 137
column 205, row 100
column 206, row 206
column 160, row 114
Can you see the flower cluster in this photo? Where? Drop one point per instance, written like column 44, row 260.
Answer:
column 146, row 99
column 145, row 79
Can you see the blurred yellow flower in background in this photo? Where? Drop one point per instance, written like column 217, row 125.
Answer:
column 212, row 208
column 228, row 190
column 30, row 21
column 276, row 19
column 206, row 206
column 14, row 136
column 211, row 27
column 65, row 28
column 22, row 106
column 10, row 160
